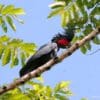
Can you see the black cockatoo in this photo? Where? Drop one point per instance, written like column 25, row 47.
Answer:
column 48, row 51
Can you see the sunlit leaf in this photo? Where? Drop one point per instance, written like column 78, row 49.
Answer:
column 57, row 4
column 67, row 17
column 61, row 97
column 92, row 4
column 75, row 39
column 37, row 91
column 14, row 57
column 63, row 19
column 88, row 45
column 1, row 20
column 63, row 84
column 94, row 17
column 11, row 23
column 96, row 40
column 75, row 10
column 7, row 15
column 83, row 49
column 4, row 38
column 4, row 26
column 11, row 48
column 6, row 56
column 1, row 7
column 29, row 51
column 55, row 12
column 40, row 79
column 7, row 9
column 18, row 11
column 88, row 28
column 1, row 51
column 95, row 11
column 23, row 58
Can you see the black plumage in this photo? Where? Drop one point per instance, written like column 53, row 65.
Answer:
column 44, row 54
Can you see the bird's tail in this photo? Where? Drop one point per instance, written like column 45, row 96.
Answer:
column 24, row 71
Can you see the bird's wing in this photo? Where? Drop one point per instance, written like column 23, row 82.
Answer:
column 32, row 63
column 43, row 50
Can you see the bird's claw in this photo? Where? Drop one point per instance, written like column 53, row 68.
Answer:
column 56, row 59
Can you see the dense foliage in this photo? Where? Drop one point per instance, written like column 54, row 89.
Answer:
column 82, row 14
column 35, row 90
column 7, row 14
column 13, row 50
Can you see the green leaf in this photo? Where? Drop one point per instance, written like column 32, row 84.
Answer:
column 95, row 11
column 1, row 20
column 61, row 97
column 29, row 51
column 11, row 48
column 14, row 57
column 7, row 13
column 96, row 40
column 40, row 78
column 23, row 58
column 66, row 92
column 75, row 39
column 15, row 61
column 92, row 4
column 1, row 51
column 10, row 9
column 83, row 49
column 75, row 11
column 18, row 11
column 55, row 12
column 4, row 38
column 1, row 7
column 19, row 95
column 57, row 4
column 4, row 26
column 95, row 20
column 7, row 9
column 10, row 22
column 6, row 56
column 63, row 19
column 81, row 11
column 64, row 84
column 88, row 29
column 61, row 85
column 88, row 45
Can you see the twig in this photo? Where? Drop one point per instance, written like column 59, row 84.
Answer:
column 51, row 63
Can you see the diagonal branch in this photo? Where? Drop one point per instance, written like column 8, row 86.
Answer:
column 51, row 63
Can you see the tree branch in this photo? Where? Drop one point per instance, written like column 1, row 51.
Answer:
column 50, row 64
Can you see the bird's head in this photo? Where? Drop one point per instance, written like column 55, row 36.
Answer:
column 64, row 39
column 61, row 40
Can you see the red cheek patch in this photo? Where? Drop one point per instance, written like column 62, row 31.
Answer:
column 63, row 42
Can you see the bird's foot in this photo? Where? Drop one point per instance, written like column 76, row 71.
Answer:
column 38, row 75
column 69, row 45
column 56, row 59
